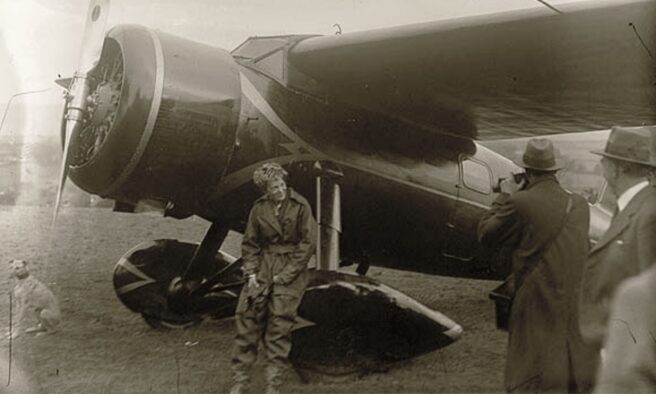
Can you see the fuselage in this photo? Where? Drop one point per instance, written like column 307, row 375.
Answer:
column 183, row 125
column 404, row 204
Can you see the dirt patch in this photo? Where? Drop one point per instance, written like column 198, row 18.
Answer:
column 104, row 348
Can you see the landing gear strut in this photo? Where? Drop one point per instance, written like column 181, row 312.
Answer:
column 328, row 216
column 184, row 289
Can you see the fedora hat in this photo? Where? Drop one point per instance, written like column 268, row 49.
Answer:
column 630, row 144
column 540, row 155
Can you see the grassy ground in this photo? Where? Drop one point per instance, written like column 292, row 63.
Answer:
column 104, row 348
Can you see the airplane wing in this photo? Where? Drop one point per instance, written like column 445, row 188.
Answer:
column 531, row 72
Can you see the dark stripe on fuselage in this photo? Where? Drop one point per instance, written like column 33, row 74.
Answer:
column 397, row 205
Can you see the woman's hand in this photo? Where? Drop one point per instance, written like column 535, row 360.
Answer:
column 252, row 281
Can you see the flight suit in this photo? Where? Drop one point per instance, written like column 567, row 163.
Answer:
column 273, row 245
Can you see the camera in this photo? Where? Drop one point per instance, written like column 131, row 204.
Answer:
column 517, row 178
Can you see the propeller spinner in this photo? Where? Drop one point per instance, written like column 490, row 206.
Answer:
column 76, row 98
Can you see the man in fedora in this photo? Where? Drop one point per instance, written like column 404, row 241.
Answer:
column 547, row 228
column 628, row 247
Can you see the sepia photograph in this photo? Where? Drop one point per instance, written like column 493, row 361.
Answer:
column 310, row 196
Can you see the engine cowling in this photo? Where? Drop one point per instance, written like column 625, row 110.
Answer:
column 162, row 119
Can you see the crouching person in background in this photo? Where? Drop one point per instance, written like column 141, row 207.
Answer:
column 277, row 245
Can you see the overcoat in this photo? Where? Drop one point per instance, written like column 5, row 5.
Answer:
column 627, row 248
column 545, row 351
column 279, row 245
column 629, row 364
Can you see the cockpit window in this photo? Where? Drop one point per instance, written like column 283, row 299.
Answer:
column 476, row 176
column 273, row 64
column 266, row 54
column 255, row 47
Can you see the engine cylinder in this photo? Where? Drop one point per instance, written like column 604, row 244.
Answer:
column 163, row 115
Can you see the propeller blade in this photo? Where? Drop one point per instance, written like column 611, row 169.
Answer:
column 63, row 171
column 76, row 107
column 74, row 120
column 94, row 35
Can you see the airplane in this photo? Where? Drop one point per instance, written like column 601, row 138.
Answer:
column 383, row 130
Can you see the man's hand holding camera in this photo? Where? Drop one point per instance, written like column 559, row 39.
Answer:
column 511, row 184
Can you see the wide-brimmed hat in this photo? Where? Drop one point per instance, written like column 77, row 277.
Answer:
column 540, row 155
column 630, row 144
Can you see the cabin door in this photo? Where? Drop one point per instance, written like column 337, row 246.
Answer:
column 474, row 187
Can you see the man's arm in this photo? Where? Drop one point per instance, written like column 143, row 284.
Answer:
column 646, row 234
column 501, row 225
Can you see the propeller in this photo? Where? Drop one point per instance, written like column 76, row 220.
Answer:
column 76, row 98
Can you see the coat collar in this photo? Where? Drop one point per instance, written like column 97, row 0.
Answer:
column 623, row 218
column 627, row 196
column 291, row 194
column 542, row 180
column 269, row 216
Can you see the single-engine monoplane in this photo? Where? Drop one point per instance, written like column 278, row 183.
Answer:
column 383, row 130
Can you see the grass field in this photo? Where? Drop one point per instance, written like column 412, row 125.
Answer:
column 104, row 348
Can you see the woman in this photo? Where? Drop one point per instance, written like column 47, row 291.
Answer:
column 277, row 245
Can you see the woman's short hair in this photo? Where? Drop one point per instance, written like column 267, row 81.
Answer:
column 268, row 172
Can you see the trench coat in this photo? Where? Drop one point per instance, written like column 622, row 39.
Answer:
column 629, row 365
column 627, row 248
column 279, row 245
column 274, row 245
column 545, row 351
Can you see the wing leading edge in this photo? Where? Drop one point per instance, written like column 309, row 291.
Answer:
column 498, row 76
